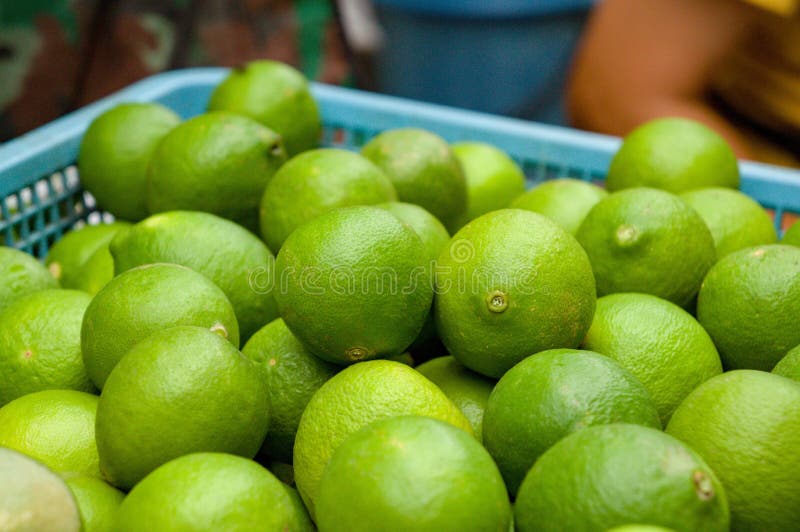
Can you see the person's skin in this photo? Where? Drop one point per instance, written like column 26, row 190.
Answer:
column 639, row 60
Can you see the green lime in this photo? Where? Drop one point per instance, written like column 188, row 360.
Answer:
column 40, row 346
column 293, row 375
column 647, row 240
column 566, row 201
column 792, row 235
column 412, row 473
column 276, row 95
column 116, row 151
column 178, row 391
column 511, row 283
column 21, row 274
column 144, row 300
column 97, row 502
column 96, row 272
column 555, row 393
column 353, row 398
column 789, row 365
column 610, row 475
column 749, row 304
column 660, row 343
column 355, row 284
column 423, row 169
column 493, row 179
column 430, row 230
column 33, row 498
column 314, row 183
column 227, row 254
column 746, row 424
column 69, row 255
column 736, row 221
column 209, row 491
column 468, row 390
column 217, row 162
column 640, row 528
column 673, row 154
column 55, row 427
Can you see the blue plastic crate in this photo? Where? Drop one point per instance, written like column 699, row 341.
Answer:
column 41, row 195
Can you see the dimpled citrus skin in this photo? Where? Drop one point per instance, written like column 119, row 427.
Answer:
column 355, row 284
column 68, row 256
column 33, row 498
column 749, row 304
column 566, row 201
column 315, row 182
column 217, row 162
column 735, row 220
column 423, row 169
column 276, row 95
column 554, row 393
column 293, row 375
column 97, row 502
column 21, row 274
column 673, row 154
column 535, row 270
column 792, row 235
column 209, row 491
column 468, row 390
column 609, row 475
column 144, row 300
column 353, row 398
column 647, row 240
column 180, row 390
column 115, row 152
column 660, row 343
column 639, row 528
column 40, row 344
column 412, row 473
column 789, row 366
column 430, row 230
column 493, row 178
column 55, row 427
column 96, row 272
column 746, row 424
column 227, row 254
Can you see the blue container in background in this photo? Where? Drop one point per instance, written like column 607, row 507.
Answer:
column 508, row 57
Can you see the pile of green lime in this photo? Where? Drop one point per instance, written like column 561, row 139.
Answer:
column 280, row 335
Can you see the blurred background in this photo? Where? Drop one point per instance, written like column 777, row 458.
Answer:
column 606, row 67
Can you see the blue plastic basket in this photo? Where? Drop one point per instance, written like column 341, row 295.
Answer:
column 41, row 195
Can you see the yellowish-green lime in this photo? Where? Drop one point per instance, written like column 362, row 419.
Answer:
column 115, row 153
column 96, row 272
column 40, row 346
column 276, row 95
column 792, row 235
column 610, row 475
column 314, row 183
column 493, row 179
column 789, row 366
column 56, row 427
column 746, row 425
column 97, row 502
column 736, row 221
column 209, row 491
column 180, row 390
column 749, row 304
column 674, row 154
column 412, row 473
column 660, row 343
column 353, row 398
column 217, row 162
column 650, row 241
column 21, row 274
column 423, row 169
column 566, row 201
column 68, row 256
